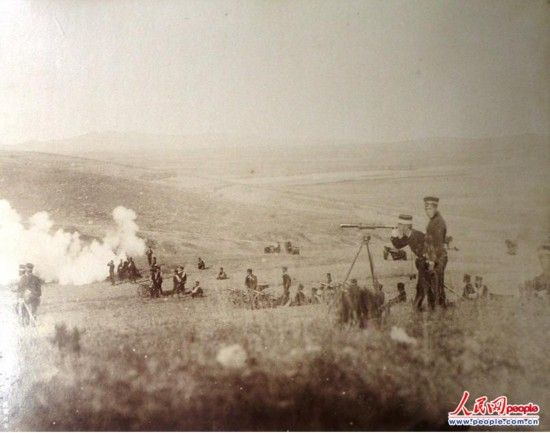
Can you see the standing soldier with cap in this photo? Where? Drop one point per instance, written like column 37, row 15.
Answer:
column 251, row 281
column 132, row 270
column 30, row 290
column 156, row 279
column 287, row 282
column 111, row 265
column 405, row 235
column 149, row 254
column 435, row 251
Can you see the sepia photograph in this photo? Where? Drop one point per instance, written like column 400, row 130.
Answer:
column 274, row 215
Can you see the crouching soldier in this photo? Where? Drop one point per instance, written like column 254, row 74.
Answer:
column 300, row 297
column 469, row 291
column 221, row 275
column 196, row 291
column 481, row 289
column 30, row 291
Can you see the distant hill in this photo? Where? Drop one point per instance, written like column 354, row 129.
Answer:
column 119, row 147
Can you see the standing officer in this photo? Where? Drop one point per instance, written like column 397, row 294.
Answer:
column 435, row 251
column 111, row 265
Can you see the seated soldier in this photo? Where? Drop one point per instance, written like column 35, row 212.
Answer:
column 315, row 298
column 469, row 292
column 221, row 275
column 201, row 265
column 481, row 288
column 539, row 286
column 196, row 291
column 300, row 298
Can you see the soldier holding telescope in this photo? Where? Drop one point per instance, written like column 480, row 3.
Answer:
column 405, row 235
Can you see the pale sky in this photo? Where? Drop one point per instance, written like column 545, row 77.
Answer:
column 352, row 70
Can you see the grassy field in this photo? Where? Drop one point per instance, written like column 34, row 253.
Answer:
column 153, row 364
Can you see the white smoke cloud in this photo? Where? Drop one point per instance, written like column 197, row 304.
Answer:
column 60, row 255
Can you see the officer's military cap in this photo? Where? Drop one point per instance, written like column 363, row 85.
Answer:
column 405, row 219
column 431, row 200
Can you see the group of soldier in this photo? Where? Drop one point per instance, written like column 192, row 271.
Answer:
column 126, row 270
column 474, row 291
column 430, row 251
column 429, row 248
column 179, row 278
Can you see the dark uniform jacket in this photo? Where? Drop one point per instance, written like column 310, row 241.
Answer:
column 251, row 281
column 415, row 241
column 30, row 282
column 287, row 281
column 157, row 280
column 436, row 232
column 179, row 280
column 468, row 291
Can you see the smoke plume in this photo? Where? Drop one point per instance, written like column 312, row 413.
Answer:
column 60, row 255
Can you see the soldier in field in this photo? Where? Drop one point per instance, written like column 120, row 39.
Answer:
column 30, row 289
column 287, row 282
column 405, row 235
column 539, row 287
column 251, row 281
column 156, row 280
column 111, row 266
column 481, row 289
column 435, row 252
column 469, row 291
column 149, row 254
